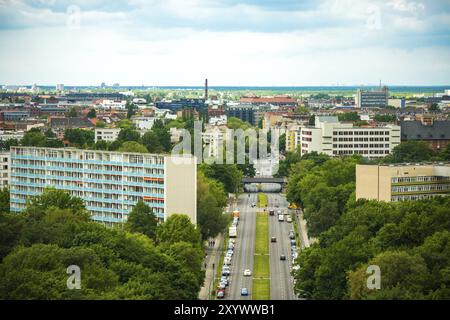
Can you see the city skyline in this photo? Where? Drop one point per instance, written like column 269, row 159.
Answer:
column 241, row 43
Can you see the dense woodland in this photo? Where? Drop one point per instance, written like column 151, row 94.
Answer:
column 409, row 241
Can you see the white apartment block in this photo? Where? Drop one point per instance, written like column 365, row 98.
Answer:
column 144, row 123
column 110, row 183
column 106, row 134
column 5, row 169
column 333, row 138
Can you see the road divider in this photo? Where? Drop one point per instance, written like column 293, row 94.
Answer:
column 261, row 258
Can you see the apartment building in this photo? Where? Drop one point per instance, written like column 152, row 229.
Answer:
column 110, row 183
column 402, row 182
column 5, row 169
column 334, row 138
column 293, row 139
column 107, row 134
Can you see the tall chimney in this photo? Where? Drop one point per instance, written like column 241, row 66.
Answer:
column 206, row 89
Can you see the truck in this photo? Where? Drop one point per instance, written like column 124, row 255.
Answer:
column 232, row 232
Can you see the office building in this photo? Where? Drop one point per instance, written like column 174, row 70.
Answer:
column 372, row 98
column 243, row 112
column 106, row 134
column 5, row 169
column 60, row 87
column 110, row 183
column 331, row 137
column 402, row 182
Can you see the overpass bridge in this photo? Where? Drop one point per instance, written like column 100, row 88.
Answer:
column 281, row 181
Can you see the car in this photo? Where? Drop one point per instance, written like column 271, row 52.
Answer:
column 271, row 212
column 291, row 236
column 224, row 279
column 230, row 252
column 273, row 239
column 283, row 257
column 244, row 292
column 226, row 271
column 220, row 294
column 288, row 219
column 232, row 241
column 294, row 248
column 221, row 286
column 247, row 272
column 280, row 218
column 279, row 212
column 253, row 205
column 227, row 261
column 293, row 243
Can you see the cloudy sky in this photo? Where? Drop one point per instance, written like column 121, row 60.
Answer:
column 232, row 42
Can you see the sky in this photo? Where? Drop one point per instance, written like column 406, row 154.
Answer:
column 230, row 42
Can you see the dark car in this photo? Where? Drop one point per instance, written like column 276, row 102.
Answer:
column 282, row 257
column 293, row 243
column 272, row 212
column 273, row 239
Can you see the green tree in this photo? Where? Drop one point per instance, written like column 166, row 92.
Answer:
column 92, row 114
column 410, row 151
column 151, row 140
column 100, row 124
column 7, row 144
column 33, row 139
column 178, row 228
column 79, row 137
column 403, row 276
column 228, row 174
column 72, row 113
column 211, row 199
column 128, row 134
column 132, row 146
column 349, row 116
column 4, row 200
column 142, row 220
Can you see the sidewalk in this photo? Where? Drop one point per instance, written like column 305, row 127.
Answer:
column 303, row 231
column 212, row 258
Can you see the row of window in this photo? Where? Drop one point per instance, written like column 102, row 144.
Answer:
column 339, row 146
column 419, row 179
column 361, row 139
column 362, row 152
column 361, row 133
column 424, row 188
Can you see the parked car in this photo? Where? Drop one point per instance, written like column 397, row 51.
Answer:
column 273, row 239
column 220, row 294
column 221, row 286
column 227, row 261
column 271, row 212
column 291, row 235
column 288, row 219
column 283, row 257
column 244, row 292
column 247, row 272
column 224, row 279
column 293, row 243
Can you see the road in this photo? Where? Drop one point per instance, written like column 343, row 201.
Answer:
column 243, row 251
column 281, row 282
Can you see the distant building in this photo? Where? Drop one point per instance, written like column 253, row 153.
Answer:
column 175, row 105
column 14, row 115
column 397, row 103
column 280, row 100
column 402, row 182
column 58, row 123
column 5, row 169
column 372, row 98
column 245, row 113
column 110, row 183
column 293, row 140
column 435, row 132
column 144, row 123
column 60, row 87
column 331, row 137
column 106, row 134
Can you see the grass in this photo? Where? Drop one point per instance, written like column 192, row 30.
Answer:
column 262, row 200
column 261, row 266
column 262, row 233
column 261, row 258
column 261, row 289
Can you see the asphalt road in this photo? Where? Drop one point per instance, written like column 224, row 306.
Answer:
column 281, row 281
column 243, row 252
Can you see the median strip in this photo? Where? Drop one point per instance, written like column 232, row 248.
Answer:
column 261, row 258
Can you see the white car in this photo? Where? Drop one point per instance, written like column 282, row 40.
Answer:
column 288, row 219
column 247, row 272
column 280, row 217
